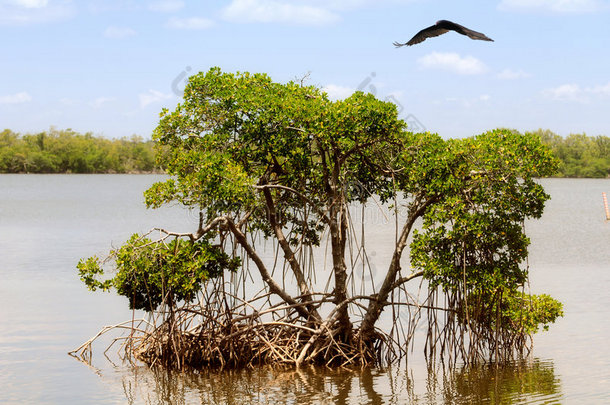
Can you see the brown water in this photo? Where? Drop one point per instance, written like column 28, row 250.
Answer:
column 48, row 222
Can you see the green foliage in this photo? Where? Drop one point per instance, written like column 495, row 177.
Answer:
column 150, row 273
column 519, row 312
column 580, row 155
column 66, row 151
column 472, row 243
column 474, row 233
column 530, row 311
column 237, row 131
column 91, row 268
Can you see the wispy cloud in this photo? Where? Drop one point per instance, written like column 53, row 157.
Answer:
column 17, row 98
column 153, row 96
column 267, row 11
column 189, row 23
column 24, row 12
column 576, row 93
column 557, row 6
column 566, row 92
column 31, row 3
column 509, row 74
column 114, row 32
column 66, row 101
column 468, row 102
column 351, row 4
column 464, row 65
column 100, row 101
column 166, row 6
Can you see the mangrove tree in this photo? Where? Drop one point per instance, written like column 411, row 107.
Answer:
column 272, row 272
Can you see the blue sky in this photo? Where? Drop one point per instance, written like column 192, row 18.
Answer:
column 110, row 66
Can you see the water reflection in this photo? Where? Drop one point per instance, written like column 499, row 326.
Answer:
column 525, row 381
column 519, row 382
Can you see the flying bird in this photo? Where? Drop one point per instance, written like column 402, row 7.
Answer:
column 440, row 28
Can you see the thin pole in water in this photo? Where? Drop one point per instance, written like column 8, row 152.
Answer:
column 606, row 206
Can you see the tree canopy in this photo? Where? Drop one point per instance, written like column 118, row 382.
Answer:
column 259, row 158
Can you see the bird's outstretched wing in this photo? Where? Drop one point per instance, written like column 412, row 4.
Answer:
column 431, row 31
column 463, row 30
column 440, row 28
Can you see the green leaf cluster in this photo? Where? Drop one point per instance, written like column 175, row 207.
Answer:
column 518, row 312
column 473, row 238
column 150, row 273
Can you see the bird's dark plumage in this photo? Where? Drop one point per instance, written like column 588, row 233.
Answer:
column 440, row 28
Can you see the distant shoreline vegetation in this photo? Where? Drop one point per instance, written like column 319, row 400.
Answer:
column 67, row 151
column 580, row 156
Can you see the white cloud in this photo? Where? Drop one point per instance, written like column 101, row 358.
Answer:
column 24, row 12
column 267, row 11
column 335, row 92
column 68, row 101
column 100, row 101
column 31, row 3
column 166, row 6
column 558, row 6
column 354, row 4
column 509, row 74
column 152, row 96
column 119, row 32
column 566, row 92
column 468, row 102
column 190, row 23
column 17, row 98
column 467, row 65
column 574, row 92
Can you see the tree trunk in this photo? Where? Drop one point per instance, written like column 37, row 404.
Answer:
column 338, row 227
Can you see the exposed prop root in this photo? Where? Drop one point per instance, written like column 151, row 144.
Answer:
column 457, row 335
column 247, row 345
column 215, row 335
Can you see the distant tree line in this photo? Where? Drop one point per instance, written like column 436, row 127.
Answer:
column 67, row 151
column 580, row 155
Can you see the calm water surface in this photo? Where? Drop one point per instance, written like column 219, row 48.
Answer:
column 48, row 222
